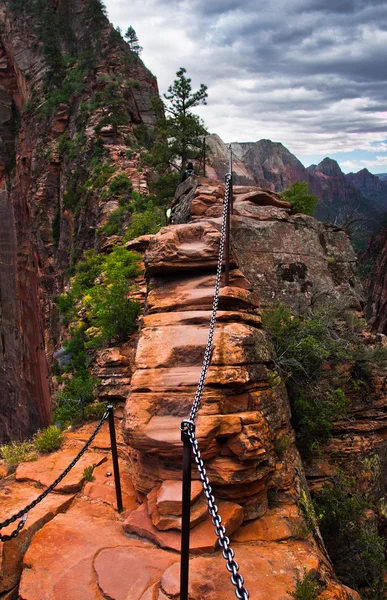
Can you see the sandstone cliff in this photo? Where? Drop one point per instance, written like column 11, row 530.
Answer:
column 72, row 97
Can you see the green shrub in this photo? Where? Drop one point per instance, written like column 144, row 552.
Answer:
column 314, row 416
column 115, row 223
column 120, row 184
column 147, row 222
column 17, row 452
column 307, row 587
column 304, row 345
column 95, row 412
column 300, row 198
column 352, row 540
column 48, row 440
column 88, row 473
column 68, row 412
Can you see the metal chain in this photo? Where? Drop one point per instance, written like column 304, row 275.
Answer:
column 24, row 512
column 208, row 351
column 189, row 425
column 224, row 542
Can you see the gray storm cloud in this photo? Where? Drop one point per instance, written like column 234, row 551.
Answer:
column 310, row 74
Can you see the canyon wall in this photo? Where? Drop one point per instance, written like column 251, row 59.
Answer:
column 49, row 118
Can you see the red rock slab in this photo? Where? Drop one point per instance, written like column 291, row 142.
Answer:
column 169, row 346
column 264, row 198
column 14, row 497
column 199, row 511
column 59, row 564
column 269, row 570
column 139, row 244
column 103, row 486
column 234, row 344
column 169, row 496
column 248, row 209
column 46, row 469
column 189, row 296
column 203, row 537
column 191, row 246
column 126, row 573
column 154, row 380
column 199, row 317
column 275, row 526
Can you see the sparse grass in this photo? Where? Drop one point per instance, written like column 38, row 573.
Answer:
column 17, row 452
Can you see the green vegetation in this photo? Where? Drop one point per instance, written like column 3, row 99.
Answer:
column 308, row 587
column 178, row 137
column 308, row 348
column 48, row 440
column 17, row 452
column 132, row 39
column 99, row 293
column 44, row 441
column 300, row 198
column 352, row 539
column 88, row 473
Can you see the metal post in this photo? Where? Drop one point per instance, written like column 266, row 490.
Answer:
column 227, row 242
column 113, row 444
column 204, row 157
column 186, row 509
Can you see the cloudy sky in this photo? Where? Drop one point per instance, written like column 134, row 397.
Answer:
column 311, row 74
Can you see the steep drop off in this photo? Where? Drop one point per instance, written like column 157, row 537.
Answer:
column 73, row 100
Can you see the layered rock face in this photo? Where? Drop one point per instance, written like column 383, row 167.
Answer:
column 25, row 393
column 55, row 136
column 243, row 428
column 374, row 264
column 371, row 186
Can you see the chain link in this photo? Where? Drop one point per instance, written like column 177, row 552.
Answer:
column 24, row 512
column 224, row 542
column 208, row 350
column 189, row 426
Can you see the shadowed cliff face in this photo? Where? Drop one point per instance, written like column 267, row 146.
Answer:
column 58, row 123
column 24, row 388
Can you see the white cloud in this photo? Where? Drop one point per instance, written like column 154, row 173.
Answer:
column 307, row 73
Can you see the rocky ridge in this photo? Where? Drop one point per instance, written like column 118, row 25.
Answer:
column 241, row 428
column 271, row 165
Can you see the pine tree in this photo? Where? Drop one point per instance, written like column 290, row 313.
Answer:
column 132, row 39
column 182, row 130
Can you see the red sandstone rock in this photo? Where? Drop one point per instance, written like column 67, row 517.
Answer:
column 46, row 469
column 14, row 497
column 268, row 569
column 183, row 247
column 65, row 561
column 103, row 486
column 202, row 538
column 169, row 496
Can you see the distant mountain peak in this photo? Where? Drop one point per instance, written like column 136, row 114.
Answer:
column 330, row 167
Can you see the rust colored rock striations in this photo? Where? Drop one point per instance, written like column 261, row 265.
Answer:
column 54, row 134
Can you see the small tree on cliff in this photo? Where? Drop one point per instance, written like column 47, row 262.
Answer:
column 301, row 199
column 179, row 134
column 132, row 39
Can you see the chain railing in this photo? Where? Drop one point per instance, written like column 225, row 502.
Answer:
column 190, row 443
column 23, row 514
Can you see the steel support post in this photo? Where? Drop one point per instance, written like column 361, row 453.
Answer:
column 186, row 509
column 116, row 470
